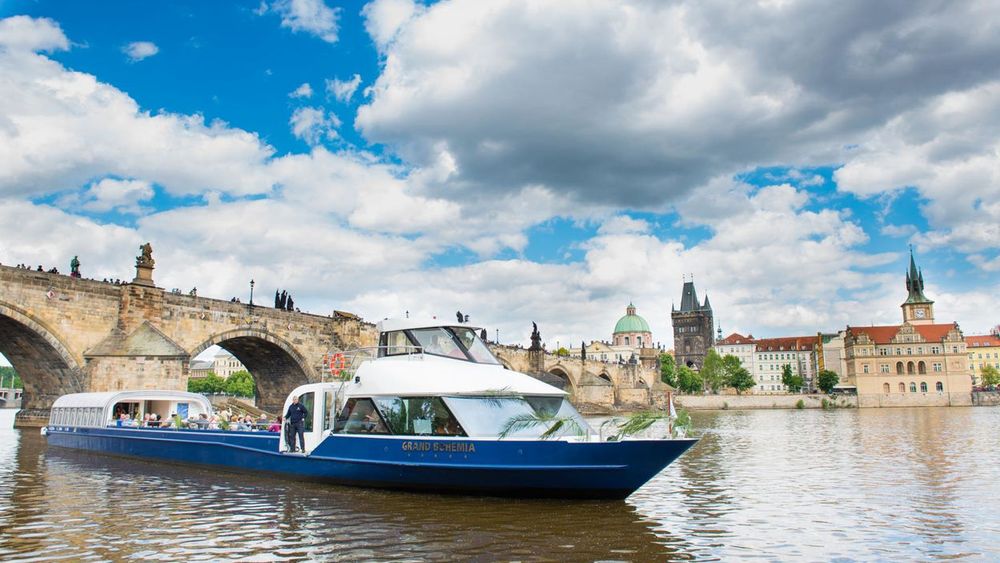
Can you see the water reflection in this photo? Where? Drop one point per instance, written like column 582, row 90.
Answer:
column 779, row 485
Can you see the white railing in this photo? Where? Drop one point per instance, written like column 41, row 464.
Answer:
column 341, row 366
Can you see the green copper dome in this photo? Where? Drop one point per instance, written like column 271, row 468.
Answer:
column 631, row 322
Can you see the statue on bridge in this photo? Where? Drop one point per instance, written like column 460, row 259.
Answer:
column 536, row 337
column 583, row 351
column 74, row 267
column 146, row 256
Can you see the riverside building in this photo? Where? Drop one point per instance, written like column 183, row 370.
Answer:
column 765, row 359
column 984, row 350
column 917, row 363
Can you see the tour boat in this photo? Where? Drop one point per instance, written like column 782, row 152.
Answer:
column 430, row 408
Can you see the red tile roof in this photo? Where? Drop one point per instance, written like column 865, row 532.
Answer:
column 736, row 338
column 982, row 340
column 786, row 343
column 885, row 334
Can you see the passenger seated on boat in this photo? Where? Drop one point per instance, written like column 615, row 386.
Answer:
column 213, row 423
column 275, row 426
column 360, row 417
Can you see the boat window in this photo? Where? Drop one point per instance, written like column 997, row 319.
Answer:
column 397, row 343
column 330, row 410
column 418, row 416
column 308, row 400
column 438, row 341
column 360, row 417
column 477, row 349
column 519, row 416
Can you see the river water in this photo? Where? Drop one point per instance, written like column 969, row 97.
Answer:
column 875, row 484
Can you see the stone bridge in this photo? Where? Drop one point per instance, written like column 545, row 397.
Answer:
column 594, row 387
column 64, row 334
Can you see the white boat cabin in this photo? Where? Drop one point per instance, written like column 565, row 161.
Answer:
column 106, row 409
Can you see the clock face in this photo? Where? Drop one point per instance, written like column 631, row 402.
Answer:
column 920, row 313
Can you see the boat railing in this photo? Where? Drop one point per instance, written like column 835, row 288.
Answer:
column 342, row 365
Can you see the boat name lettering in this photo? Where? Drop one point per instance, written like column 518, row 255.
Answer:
column 459, row 447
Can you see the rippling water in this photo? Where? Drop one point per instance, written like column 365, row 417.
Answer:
column 889, row 484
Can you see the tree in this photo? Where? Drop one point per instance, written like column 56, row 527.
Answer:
column 991, row 376
column 562, row 352
column 208, row 385
column 741, row 380
column 688, row 380
column 668, row 370
column 827, row 380
column 9, row 378
column 793, row 382
column 240, row 384
column 711, row 371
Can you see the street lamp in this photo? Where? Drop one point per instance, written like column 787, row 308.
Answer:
column 498, row 336
column 251, row 292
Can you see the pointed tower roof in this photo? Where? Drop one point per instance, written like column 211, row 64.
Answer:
column 689, row 298
column 915, row 283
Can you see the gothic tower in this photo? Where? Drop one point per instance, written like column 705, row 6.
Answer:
column 693, row 328
column 917, row 309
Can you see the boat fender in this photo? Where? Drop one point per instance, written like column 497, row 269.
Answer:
column 337, row 364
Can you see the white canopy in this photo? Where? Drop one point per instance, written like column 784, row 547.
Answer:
column 109, row 398
column 390, row 325
column 423, row 374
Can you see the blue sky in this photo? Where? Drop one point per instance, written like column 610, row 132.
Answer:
column 525, row 162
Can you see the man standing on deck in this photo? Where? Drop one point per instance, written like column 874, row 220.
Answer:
column 296, row 417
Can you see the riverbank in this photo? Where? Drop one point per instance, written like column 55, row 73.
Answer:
column 755, row 402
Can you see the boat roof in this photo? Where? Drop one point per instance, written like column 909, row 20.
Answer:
column 424, row 374
column 107, row 398
column 390, row 325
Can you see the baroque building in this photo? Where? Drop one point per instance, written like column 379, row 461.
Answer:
column 631, row 341
column 693, row 328
column 765, row 359
column 984, row 350
column 917, row 363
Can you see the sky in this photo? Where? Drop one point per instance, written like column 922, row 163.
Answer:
column 515, row 160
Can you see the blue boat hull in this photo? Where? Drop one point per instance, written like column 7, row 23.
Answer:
column 493, row 467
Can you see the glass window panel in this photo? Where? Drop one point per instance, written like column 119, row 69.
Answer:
column 418, row 416
column 438, row 341
column 490, row 416
column 360, row 417
column 398, row 343
column 308, row 400
column 479, row 352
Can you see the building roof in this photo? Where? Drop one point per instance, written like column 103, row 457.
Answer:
column 785, row 344
column 982, row 340
column 689, row 299
column 915, row 284
column 631, row 322
column 885, row 334
column 735, row 338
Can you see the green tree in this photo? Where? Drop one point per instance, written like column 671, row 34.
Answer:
column 688, row 380
column 208, row 385
column 562, row 352
column 741, row 380
column 240, row 384
column 668, row 370
column 9, row 378
column 793, row 382
column 990, row 374
column 827, row 380
column 712, row 371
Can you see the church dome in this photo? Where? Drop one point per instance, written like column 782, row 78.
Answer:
column 631, row 322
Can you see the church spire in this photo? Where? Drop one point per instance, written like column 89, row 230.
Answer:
column 915, row 283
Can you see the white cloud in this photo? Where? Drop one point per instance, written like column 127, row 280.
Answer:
column 303, row 91
column 123, row 196
column 384, row 18
column 139, row 50
column 23, row 33
column 343, row 90
column 313, row 125
column 310, row 16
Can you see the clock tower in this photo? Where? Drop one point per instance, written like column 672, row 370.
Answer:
column 918, row 309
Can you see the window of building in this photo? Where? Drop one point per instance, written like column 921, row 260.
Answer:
column 939, row 387
column 899, row 368
column 935, row 350
column 913, row 387
column 936, row 366
column 899, row 351
column 909, row 351
column 626, row 341
column 902, row 387
column 864, row 368
column 883, row 351
column 910, row 368
column 885, row 388
column 920, row 350
column 884, row 368
column 921, row 367
column 923, row 386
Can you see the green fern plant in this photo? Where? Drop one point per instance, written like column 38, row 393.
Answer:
column 520, row 422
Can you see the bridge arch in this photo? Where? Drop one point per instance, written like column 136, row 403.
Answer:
column 277, row 367
column 40, row 357
column 564, row 379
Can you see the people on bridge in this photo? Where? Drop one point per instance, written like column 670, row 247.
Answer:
column 296, row 417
